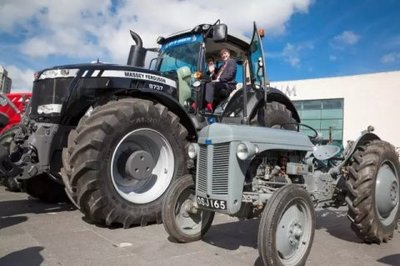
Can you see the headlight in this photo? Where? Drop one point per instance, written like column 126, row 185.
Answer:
column 193, row 149
column 49, row 108
column 58, row 73
column 246, row 150
column 196, row 84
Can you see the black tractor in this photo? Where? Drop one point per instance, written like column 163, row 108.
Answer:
column 117, row 136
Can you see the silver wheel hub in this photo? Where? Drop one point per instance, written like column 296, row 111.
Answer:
column 387, row 194
column 394, row 194
column 188, row 218
column 139, row 166
column 293, row 233
column 186, row 208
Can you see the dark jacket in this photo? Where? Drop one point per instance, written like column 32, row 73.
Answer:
column 228, row 73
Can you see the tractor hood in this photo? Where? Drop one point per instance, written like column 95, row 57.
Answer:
column 62, row 94
column 99, row 70
column 264, row 138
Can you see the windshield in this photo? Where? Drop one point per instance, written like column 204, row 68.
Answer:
column 180, row 52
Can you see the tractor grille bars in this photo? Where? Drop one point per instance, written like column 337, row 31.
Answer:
column 213, row 162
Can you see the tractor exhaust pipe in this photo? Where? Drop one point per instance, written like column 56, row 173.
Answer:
column 137, row 54
column 136, row 38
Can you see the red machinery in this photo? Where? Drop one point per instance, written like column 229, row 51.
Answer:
column 12, row 107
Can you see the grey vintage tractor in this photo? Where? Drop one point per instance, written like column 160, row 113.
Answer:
column 117, row 135
column 282, row 176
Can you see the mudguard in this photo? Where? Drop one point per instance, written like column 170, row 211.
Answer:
column 255, row 99
column 366, row 136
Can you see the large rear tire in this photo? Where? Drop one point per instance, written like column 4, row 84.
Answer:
column 374, row 191
column 182, row 220
column 287, row 226
column 6, row 139
column 121, row 159
column 277, row 116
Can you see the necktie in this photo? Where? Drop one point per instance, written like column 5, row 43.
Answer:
column 221, row 70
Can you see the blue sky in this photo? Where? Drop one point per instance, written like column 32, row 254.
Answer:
column 305, row 38
column 337, row 38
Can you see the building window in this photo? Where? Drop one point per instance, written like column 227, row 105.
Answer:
column 324, row 115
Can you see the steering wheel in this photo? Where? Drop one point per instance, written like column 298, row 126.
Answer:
column 315, row 136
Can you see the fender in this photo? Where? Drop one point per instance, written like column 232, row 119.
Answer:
column 255, row 99
column 278, row 96
column 173, row 106
column 366, row 136
column 169, row 101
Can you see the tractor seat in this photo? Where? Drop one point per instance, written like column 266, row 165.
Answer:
column 325, row 152
column 184, row 75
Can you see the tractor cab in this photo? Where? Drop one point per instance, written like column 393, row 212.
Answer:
column 186, row 54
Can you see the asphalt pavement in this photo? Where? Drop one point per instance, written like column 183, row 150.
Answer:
column 35, row 233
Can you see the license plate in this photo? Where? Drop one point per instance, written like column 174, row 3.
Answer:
column 211, row 203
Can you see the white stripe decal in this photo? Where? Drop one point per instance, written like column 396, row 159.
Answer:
column 95, row 73
column 139, row 75
column 84, row 73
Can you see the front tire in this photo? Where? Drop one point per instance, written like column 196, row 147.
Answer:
column 287, row 226
column 373, row 191
column 6, row 139
column 182, row 220
column 121, row 160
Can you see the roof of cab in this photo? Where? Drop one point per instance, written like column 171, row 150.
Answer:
column 237, row 39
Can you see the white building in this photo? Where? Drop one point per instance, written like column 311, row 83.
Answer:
column 5, row 81
column 344, row 106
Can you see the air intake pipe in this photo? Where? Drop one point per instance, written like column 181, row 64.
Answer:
column 137, row 54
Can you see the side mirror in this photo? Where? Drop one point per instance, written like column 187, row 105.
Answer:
column 219, row 33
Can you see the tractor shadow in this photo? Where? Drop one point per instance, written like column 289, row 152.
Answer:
column 25, row 206
column 392, row 260
column 336, row 223
column 11, row 221
column 27, row 257
column 13, row 212
column 232, row 235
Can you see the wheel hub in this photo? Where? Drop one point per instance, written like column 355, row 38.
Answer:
column 295, row 233
column 142, row 165
column 188, row 208
column 386, row 194
column 139, row 165
column 394, row 194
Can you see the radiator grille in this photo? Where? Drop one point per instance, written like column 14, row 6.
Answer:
column 220, row 170
column 202, row 171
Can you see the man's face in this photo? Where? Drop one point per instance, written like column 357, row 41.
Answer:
column 224, row 55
